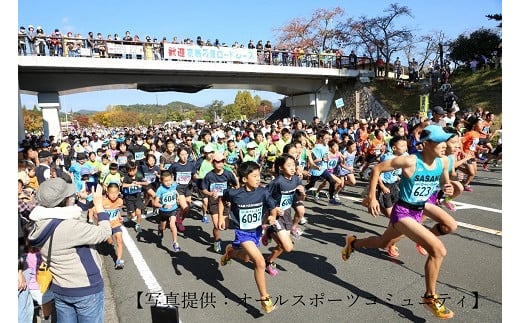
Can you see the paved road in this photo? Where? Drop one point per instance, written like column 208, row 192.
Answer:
column 314, row 284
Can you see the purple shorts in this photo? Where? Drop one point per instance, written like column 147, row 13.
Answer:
column 399, row 212
column 433, row 199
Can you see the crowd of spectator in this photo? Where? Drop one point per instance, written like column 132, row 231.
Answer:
column 34, row 41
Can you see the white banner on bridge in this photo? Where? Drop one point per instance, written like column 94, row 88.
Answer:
column 209, row 53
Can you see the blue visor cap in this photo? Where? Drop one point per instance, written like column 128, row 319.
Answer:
column 434, row 133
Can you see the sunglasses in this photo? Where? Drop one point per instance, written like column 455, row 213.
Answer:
column 219, row 161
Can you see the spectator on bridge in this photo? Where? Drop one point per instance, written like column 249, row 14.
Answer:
column 40, row 41
column 22, row 41
column 352, row 60
column 31, row 38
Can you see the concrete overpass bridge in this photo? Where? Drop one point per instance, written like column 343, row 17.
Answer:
column 310, row 91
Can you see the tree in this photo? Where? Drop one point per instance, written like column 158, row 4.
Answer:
column 32, row 120
column 214, row 111
column 311, row 33
column 245, row 103
column 231, row 112
column 497, row 17
column 425, row 48
column 379, row 34
column 480, row 42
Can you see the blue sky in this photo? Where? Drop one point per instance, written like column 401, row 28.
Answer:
column 229, row 21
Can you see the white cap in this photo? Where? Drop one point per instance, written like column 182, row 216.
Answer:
column 208, row 148
column 251, row 144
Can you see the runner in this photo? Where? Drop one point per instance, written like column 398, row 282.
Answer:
column 422, row 172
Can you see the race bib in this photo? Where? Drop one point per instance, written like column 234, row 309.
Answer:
column 422, row 191
column 184, row 177
column 113, row 217
column 218, row 187
column 250, row 218
column 286, row 201
column 169, row 198
column 139, row 155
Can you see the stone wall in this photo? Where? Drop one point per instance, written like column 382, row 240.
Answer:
column 369, row 107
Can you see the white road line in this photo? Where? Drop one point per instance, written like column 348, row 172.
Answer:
column 460, row 206
column 149, row 279
column 476, row 227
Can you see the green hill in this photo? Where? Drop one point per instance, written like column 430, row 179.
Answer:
column 482, row 88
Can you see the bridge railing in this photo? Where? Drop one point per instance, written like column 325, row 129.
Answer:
column 119, row 49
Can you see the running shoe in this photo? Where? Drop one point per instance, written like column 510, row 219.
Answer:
column 485, row 167
column 323, row 194
column 226, row 258
column 267, row 304
column 178, row 223
column 333, row 201
column 393, row 251
column 266, row 237
column 138, row 228
column 348, row 250
column 296, row 233
column 336, row 196
column 120, row 264
column 271, row 269
column 217, row 247
column 205, row 219
column 303, row 220
column 468, row 188
column 421, row 250
column 176, row 247
column 449, row 205
column 436, row 306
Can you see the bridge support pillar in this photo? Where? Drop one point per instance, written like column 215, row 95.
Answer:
column 49, row 104
column 307, row 106
column 21, row 126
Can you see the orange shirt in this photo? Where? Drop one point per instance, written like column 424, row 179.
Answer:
column 470, row 141
column 377, row 147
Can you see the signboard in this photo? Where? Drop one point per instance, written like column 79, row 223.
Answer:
column 339, row 103
column 198, row 53
column 424, row 105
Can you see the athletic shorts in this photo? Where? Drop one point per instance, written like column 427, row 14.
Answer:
column 247, row 235
column 184, row 189
column 164, row 216
column 399, row 212
column 133, row 202
column 213, row 207
column 388, row 200
column 286, row 220
column 497, row 151
column 116, row 229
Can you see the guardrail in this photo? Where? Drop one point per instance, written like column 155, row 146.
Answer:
column 119, row 49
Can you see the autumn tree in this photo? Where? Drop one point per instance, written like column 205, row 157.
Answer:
column 425, row 48
column 313, row 32
column 380, row 35
column 32, row 119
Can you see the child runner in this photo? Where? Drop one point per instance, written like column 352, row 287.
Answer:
column 297, row 205
column 421, row 173
column 345, row 171
column 334, row 158
column 213, row 185
column 166, row 201
column 183, row 172
column 248, row 204
column 133, row 183
column 470, row 146
column 387, row 191
column 113, row 177
column 113, row 204
column 284, row 189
